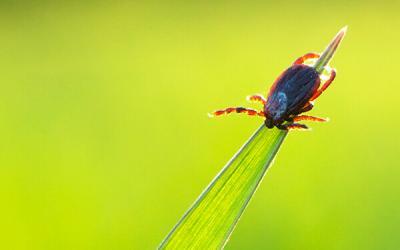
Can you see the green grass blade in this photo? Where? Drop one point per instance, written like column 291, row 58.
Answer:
column 330, row 50
column 212, row 218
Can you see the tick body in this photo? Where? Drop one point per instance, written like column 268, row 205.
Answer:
column 294, row 91
column 292, row 94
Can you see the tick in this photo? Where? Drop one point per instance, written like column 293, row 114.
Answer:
column 293, row 92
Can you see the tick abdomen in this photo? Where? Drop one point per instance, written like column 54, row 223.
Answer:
column 292, row 90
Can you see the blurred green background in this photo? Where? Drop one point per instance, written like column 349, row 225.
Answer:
column 105, row 141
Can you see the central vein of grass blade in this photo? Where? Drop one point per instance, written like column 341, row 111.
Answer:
column 211, row 219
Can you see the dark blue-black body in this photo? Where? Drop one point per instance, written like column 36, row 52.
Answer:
column 294, row 91
column 290, row 94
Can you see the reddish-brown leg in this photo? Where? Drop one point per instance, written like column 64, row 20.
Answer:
column 227, row 111
column 309, row 118
column 307, row 56
column 325, row 86
column 293, row 126
column 257, row 98
column 307, row 107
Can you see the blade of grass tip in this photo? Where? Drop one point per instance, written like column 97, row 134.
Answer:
column 211, row 219
column 329, row 51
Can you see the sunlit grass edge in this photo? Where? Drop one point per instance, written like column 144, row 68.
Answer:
column 212, row 218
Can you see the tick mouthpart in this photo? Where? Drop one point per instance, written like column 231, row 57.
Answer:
column 269, row 123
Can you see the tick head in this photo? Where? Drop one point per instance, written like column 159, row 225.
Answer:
column 273, row 118
column 269, row 122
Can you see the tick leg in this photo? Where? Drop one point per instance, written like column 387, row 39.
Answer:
column 307, row 56
column 306, row 108
column 325, row 86
column 309, row 118
column 293, row 126
column 257, row 98
column 227, row 111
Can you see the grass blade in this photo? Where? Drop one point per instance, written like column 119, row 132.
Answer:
column 211, row 219
column 330, row 50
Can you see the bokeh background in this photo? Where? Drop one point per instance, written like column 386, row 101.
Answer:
column 105, row 141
